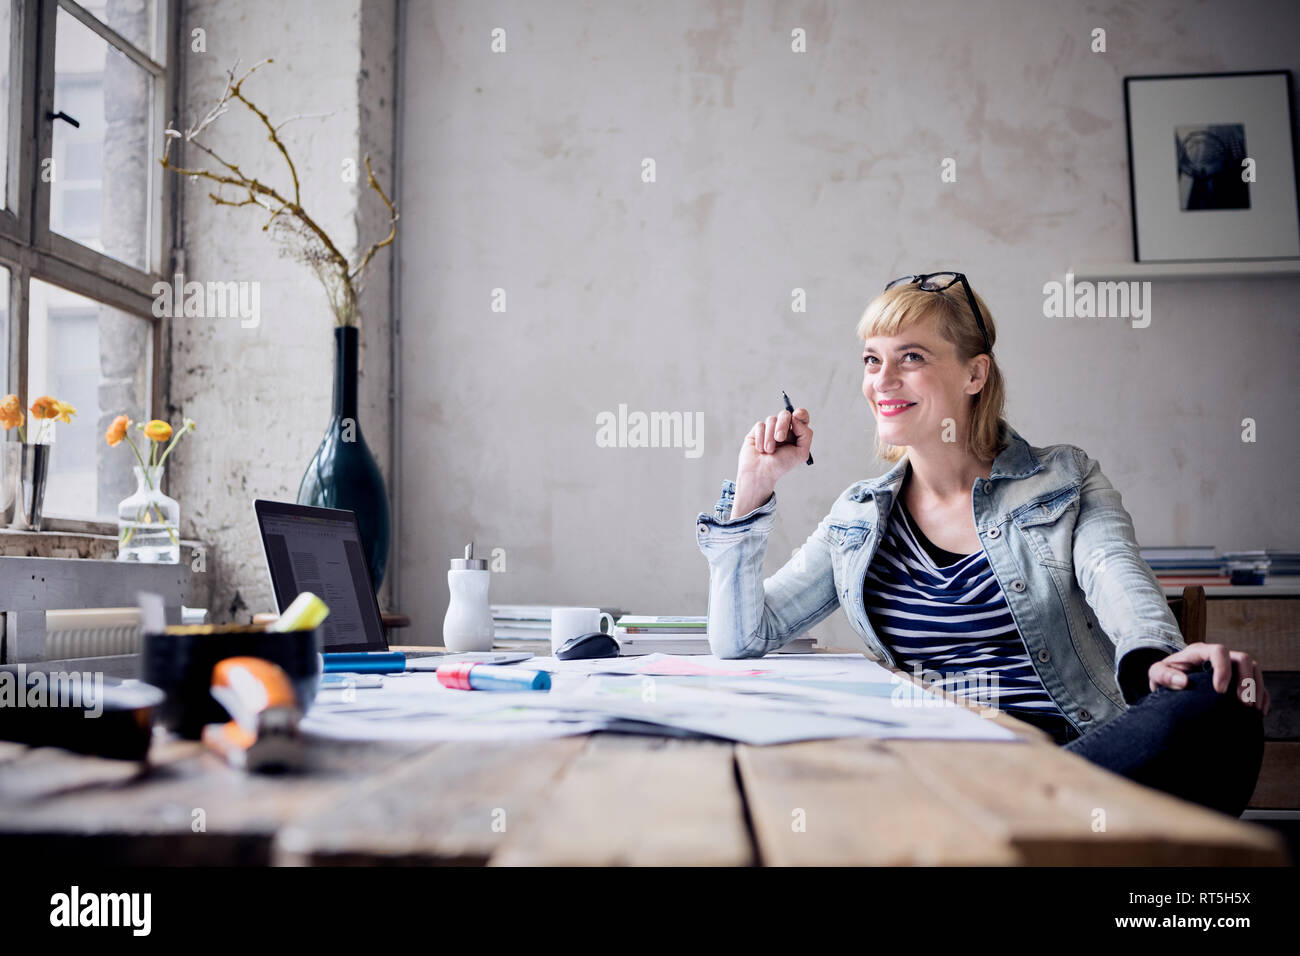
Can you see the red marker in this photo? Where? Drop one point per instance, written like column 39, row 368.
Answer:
column 469, row 675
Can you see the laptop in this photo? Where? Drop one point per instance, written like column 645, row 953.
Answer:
column 319, row 550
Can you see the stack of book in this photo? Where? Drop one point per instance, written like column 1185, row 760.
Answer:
column 528, row 622
column 649, row 634
column 1181, row 566
column 1254, row 567
column 521, row 622
column 1283, row 564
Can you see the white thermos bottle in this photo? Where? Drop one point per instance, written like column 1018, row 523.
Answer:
column 468, row 624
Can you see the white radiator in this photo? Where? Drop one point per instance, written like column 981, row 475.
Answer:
column 100, row 632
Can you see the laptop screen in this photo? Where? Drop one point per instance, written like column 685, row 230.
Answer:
column 319, row 550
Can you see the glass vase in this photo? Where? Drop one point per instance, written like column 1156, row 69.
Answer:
column 23, row 470
column 149, row 522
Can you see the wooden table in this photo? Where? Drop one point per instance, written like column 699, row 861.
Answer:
column 609, row 799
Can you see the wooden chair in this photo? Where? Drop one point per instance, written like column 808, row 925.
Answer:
column 1189, row 609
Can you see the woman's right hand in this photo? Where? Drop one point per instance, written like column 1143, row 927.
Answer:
column 764, row 459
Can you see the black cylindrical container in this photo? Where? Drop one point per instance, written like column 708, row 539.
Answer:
column 180, row 662
column 103, row 716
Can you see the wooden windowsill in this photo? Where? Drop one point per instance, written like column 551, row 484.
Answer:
column 66, row 544
column 68, row 523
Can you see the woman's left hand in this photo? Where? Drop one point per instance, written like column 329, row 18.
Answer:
column 1230, row 667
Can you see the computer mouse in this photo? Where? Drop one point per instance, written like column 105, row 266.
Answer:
column 584, row 646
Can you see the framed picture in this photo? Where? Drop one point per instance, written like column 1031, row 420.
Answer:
column 1212, row 167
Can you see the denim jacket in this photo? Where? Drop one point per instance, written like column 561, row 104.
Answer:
column 1056, row 535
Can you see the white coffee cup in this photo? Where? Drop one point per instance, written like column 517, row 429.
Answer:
column 570, row 622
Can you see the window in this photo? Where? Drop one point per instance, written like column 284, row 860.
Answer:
column 100, row 190
column 8, row 38
column 84, row 92
column 97, row 358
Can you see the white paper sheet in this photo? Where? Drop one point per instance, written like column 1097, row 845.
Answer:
column 756, row 701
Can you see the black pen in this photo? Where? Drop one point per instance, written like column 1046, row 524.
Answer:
column 790, row 439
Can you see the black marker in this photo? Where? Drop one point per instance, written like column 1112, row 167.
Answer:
column 790, row 439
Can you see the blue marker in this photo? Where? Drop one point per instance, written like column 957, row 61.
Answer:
column 364, row 662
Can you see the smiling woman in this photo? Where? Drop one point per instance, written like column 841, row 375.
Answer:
column 941, row 324
column 986, row 563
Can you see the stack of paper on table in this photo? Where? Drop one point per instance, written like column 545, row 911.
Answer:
column 654, row 634
column 767, row 700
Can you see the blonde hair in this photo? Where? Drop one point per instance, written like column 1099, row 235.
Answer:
column 903, row 306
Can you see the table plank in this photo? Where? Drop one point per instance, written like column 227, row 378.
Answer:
column 638, row 800
column 451, row 805
column 39, row 773
column 126, row 813
column 11, row 751
column 1045, row 802
column 859, row 805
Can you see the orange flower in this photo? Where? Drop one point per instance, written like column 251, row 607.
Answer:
column 64, row 412
column 158, row 430
column 11, row 412
column 45, row 407
column 117, row 431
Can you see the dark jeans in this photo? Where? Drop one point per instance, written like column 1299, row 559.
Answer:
column 1193, row 743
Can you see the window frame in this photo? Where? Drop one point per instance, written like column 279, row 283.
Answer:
column 30, row 249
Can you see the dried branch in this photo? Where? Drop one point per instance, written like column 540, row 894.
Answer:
column 298, row 231
column 392, row 222
column 302, row 116
column 235, row 91
column 221, row 201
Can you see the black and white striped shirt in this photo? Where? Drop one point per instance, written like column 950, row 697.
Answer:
column 946, row 614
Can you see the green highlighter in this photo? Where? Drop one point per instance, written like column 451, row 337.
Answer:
column 305, row 613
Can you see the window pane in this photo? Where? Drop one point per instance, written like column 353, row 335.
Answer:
column 102, row 174
column 7, row 25
column 133, row 19
column 98, row 359
column 6, row 386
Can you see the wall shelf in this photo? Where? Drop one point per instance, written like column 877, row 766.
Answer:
column 1246, row 268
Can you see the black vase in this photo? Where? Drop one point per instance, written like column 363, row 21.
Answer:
column 343, row 474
